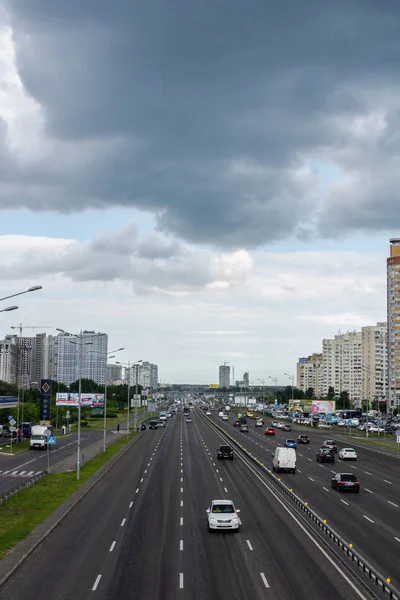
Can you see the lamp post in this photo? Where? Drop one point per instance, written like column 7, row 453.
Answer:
column 105, row 398
column 31, row 289
column 9, row 309
column 275, row 380
column 79, row 346
column 292, row 378
column 129, row 365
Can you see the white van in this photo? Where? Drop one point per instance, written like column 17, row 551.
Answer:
column 284, row 460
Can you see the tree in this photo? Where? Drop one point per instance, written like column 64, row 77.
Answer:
column 309, row 393
column 331, row 393
column 343, row 401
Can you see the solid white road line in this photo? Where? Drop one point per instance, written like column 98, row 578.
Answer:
column 96, row 583
column 344, row 502
column 181, row 545
column 249, row 545
column 392, row 503
column 112, row 546
column 368, row 519
column 265, row 582
column 26, row 463
column 181, row 581
column 131, row 504
column 123, row 522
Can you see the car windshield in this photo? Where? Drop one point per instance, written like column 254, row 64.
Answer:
column 223, row 508
column 224, row 448
column 348, row 477
column 290, row 441
column 348, row 450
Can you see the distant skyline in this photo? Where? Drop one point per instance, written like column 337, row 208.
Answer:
column 214, row 183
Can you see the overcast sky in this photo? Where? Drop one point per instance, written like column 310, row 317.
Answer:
column 205, row 182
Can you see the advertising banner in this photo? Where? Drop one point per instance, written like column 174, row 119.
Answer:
column 323, row 406
column 8, row 401
column 213, row 386
column 45, row 392
column 87, row 399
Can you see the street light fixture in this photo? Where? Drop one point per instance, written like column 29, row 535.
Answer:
column 105, row 398
column 31, row 289
column 79, row 345
column 275, row 380
column 292, row 378
column 9, row 308
column 129, row 365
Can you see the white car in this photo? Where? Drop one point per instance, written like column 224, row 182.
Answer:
column 280, row 425
column 347, row 454
column 324, row 426
column 223, row 515
column 258, row 423
column 225, row 418
column 208, row 413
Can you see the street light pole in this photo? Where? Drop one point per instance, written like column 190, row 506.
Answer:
column 275, row 380
column 9, row 309
column 292, row 378
column 31, row 289
column 129, row 365
column 105, row 398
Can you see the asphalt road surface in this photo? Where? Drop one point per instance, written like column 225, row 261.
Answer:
column 142, row 533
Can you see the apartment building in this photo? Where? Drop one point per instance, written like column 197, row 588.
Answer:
column 224, row 376
column 374, row 363
column 8, row 360
column 309, row 373
column 93, row 357
column 393, row 325
column 341, row 365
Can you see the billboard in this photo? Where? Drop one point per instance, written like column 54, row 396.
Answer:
column 8, row 401
column 87, row 399
column 213, row 386
column 323, row 406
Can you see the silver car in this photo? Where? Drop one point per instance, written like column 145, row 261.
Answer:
column 222, row 515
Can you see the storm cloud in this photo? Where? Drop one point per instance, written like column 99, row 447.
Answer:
column 219, row 118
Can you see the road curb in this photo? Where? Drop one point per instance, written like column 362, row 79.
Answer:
column 17, row 555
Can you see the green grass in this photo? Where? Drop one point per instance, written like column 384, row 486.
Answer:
column 22, row 513
column 17, row 447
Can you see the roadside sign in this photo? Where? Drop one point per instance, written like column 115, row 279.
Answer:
column 398, row 433
column 12, row 428
column 12, row 421
column 67, row 414
column 51, row 440
column 398, row 439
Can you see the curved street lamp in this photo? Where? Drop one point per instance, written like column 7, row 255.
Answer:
column 31, row 289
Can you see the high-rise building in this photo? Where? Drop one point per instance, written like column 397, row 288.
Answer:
column 246, row 380
column 8, row 360
column 374, row 363
column 93, row 360
column 224, row 376
column 146, row 374
column 393, row 324
column 341, row 365
column 309, row 373
column 114, row 373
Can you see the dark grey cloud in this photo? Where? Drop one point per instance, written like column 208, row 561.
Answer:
column 163, row 98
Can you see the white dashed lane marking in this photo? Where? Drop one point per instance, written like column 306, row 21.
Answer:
column 112, row 546
column 96, row 583
column 393, row 504
column 344, row 502
column 181, row 581
column 249, row 545
column 368, row 519
column 123, row 522
column 181, row 545
column 264, row 579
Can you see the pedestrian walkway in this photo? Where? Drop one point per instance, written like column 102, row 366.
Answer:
column 16, row 473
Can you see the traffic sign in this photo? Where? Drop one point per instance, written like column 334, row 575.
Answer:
column 398, row 439
column 398, row 433
column 67, row 414
column 12, row 428
column 12, row 421
column 51, row 440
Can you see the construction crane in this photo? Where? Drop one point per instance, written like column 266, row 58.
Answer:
column 21, row 327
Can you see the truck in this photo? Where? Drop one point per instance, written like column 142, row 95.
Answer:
column 26, row 429
column 39, row 435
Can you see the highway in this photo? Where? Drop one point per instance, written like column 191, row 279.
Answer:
column 142, row 533
column 374, row 514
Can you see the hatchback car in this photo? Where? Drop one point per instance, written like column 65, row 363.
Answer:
column 237, row 423
column 345, row 481
column 303, row 439
column 269, row 431
column 347, row 454
column 325, row 455
column 258, row 423
column 208, row 413
column 188, row 420
column 287, row 427
column 331, row 444
column 225, row 418
column 225, row 451
column 222, row 515
column 290, row 444
column 244, row 428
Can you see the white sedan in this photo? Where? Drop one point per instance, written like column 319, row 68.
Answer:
column 347, row 454
column 223, row 515
column 208, row 413
column 259, row 423
column 225, row 418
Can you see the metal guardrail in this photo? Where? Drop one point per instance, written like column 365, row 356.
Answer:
column 373, row 574
column 23, row 485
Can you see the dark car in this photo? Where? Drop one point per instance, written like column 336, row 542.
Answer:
column 143, row 427
column 303, row 439
column 325, row 455
column 225, row 452
column 244, row 428
column 237, row 423
column 345, row 481
column 331, row 444
column 153, row 425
